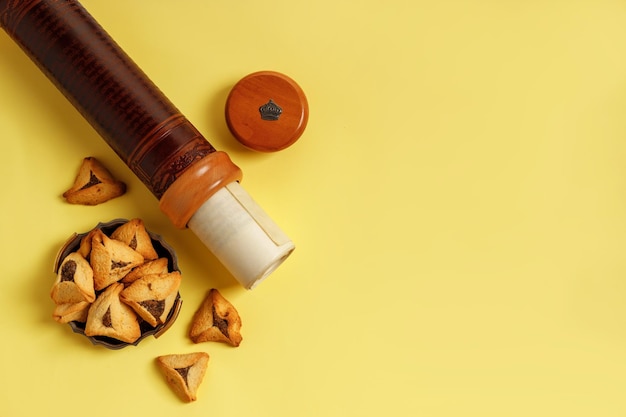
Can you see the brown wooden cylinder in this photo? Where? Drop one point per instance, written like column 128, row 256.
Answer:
column 113, row 94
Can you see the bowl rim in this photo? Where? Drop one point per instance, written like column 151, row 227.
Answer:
column 163, row 249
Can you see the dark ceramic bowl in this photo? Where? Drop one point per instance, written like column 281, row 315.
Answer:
column 162, row 248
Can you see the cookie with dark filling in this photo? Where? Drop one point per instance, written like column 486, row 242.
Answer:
column 184, row 372
column 216, row 320
column 135, row 235
column 111, row 260
column 74, row 282
column 94, row 184
column 110, row 317
column 152, row 296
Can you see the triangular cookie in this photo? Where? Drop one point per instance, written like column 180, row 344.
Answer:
column 216, row 320
column 184, row 372
column 66, row 292
column 64, row 313
column 111, row 260
column 85, row 244
column 109, row 317
column 94, row 184
column 158, row 266
column 152, row 296
column 74, row 282
column 135, row 235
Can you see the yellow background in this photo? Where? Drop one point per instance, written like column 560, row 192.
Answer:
column 458, row 203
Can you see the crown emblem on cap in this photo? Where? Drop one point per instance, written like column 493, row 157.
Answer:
column 270, row 111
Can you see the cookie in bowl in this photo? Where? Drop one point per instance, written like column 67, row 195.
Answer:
column 108, row 291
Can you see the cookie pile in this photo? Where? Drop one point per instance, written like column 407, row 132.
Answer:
column 114, row 284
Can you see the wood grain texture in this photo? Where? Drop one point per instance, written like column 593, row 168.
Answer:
column 267, row 111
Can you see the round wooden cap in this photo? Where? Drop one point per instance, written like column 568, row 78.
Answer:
column 267, row 111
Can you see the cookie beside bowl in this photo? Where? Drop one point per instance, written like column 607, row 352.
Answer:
column 137, row 263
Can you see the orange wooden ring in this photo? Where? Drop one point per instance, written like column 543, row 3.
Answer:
column 196, row 185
